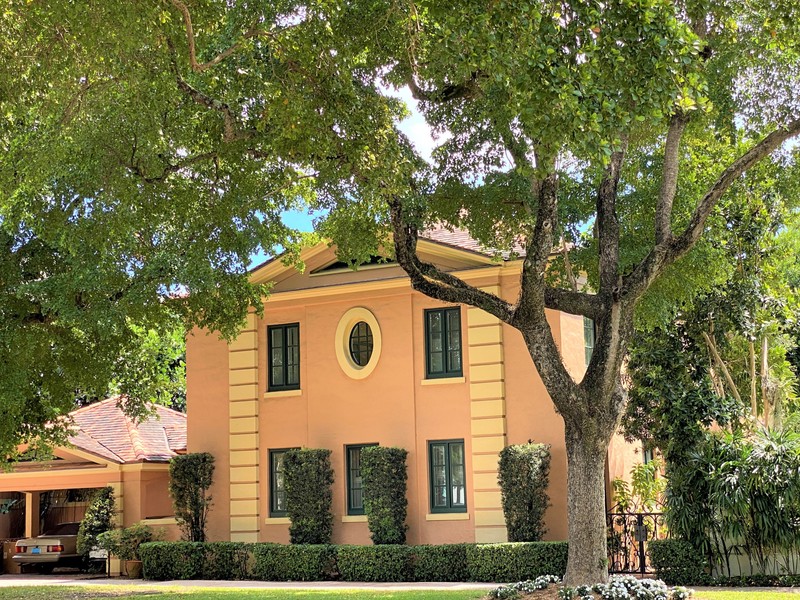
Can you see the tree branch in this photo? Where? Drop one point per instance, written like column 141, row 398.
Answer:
column 187, row 23
column 170, row 168
column 431, row 281
column 663, row 255
column 669, row 178
column 468, row 89
column 574, row 303
column 608, row 224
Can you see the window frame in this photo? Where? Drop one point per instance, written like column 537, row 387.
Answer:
column 283, row 327
column 447, row 370
column 448, row 478
column 348, row 479
column 271, row 453
column 589, row 339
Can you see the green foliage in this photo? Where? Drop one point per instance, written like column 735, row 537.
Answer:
column 308, row 477
column 645, row 493
column 165, row 561
column 737, row 498
column 99, row 518
column 384, row 474
column 523, row 476
column 443, row 562
column 518, row 561
column 295, row 562
column 387, row 562
column 190, row 478
column 677, row 562
column 124, row 543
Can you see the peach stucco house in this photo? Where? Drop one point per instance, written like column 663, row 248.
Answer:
column 342, row 359
column 106, row 448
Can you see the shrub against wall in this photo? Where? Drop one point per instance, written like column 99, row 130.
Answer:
column 384, row 475
column 323, row 562
column 98, row 519
column 190, row 478
column 523, row 477
column 308, row 477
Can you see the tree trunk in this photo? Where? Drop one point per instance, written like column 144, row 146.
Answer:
column 586, row 504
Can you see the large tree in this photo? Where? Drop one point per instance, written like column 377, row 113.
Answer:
column 149, row 148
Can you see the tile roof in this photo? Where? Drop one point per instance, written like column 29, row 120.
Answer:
column 460, row 238
column 105, row 430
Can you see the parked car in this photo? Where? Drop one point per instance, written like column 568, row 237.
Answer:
column 54, row 548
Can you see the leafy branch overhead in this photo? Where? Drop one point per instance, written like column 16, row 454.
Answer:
column 149, row 149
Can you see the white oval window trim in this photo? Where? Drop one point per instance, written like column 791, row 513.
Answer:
column 346, row 324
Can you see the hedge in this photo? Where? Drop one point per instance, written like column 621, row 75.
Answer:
column 295, row 562
column 321, row 562
column 385, row 503
column 386, row 562
column 446, row 562
column 516, row 561
column 308, row 477
column 677, row 562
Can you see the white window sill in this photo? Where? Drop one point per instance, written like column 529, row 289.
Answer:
column 447, row 516
column 442, row 381
column 282, row 394
column 277, row 521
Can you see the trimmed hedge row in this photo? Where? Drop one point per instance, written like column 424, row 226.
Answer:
column 321, row 562
column 677, row 562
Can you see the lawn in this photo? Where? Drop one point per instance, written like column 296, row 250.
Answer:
column 187, row 593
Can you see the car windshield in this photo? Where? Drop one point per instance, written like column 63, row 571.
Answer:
column 63, row 529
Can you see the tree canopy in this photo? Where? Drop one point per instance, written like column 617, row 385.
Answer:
column 148, row 149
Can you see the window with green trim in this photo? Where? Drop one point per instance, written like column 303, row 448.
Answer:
column 355, row 483
column 283, row 348
column 588, row 339
column 443, row 342
column 448, row 476
column 277, row 488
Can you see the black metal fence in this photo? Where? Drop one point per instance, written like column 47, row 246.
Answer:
column 628, row 535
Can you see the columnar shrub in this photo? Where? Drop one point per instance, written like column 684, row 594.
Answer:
column 98, row 519
column 308, row 477
column 523, row 476
column 384, row 475
column 190, row 478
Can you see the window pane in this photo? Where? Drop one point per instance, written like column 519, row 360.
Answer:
column 456, row 453
column 459, row 496
column 437, row 362
column 440, row 497
column 437, row 455
column 439, row 476
column 454, row 320
column 277, row 375
column 434, row 321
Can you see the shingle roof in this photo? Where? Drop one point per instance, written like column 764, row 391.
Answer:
column 105, row 430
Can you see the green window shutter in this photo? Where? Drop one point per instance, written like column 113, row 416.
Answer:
column 447, row 472
column 588, row 339
column 283, row 351
column 443, row 357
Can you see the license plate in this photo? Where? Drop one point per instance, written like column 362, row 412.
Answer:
column 36, row 550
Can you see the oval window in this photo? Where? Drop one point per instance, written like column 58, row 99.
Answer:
column 361, row 343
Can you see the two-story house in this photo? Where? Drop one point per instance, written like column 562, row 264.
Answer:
column 342, row 359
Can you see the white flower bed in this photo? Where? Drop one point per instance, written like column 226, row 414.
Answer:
column 619, row 587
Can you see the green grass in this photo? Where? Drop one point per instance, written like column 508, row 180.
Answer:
column 187, row 593
column 744, row 594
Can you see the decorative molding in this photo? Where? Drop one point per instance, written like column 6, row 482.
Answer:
column 342, row 342
column 464, row 516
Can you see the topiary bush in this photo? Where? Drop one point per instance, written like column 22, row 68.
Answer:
column 523, row 475
column 308, row 477
column 516, row 561
column 190, row 478
column 98, row 519
column 445, row 562
column 677, row 562
column 385, row 474
column 388, row 562
column 300, row 562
